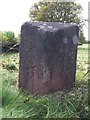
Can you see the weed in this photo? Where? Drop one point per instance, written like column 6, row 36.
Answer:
column 10, row 66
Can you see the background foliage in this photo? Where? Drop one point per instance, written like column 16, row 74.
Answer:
column 8, row 37
column 8, row 41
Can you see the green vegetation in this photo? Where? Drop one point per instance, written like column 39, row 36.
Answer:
column 8, row 37
column 56, row 12
column 16, row 104
column 8, row 41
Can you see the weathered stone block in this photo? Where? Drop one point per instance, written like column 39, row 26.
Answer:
column 48, row 52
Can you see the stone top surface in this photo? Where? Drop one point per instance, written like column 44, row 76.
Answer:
column 49, row 26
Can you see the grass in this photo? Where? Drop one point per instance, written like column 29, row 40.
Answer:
column 73, row 104
column 83, row 63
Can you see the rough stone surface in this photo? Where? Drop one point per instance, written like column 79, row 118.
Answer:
column 48, row 52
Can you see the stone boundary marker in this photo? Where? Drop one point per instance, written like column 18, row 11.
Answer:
column 48, row 52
